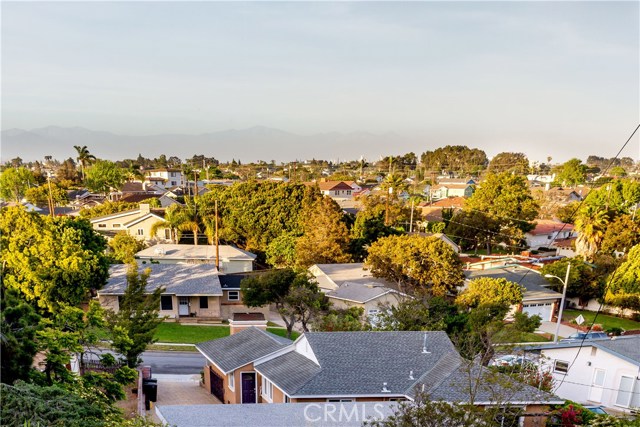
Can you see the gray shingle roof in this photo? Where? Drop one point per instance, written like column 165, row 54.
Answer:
column 289, row 371
column 626, row 347
column 360, row 362
column 359, row 292
column 177, row 279
column 196, row 252
column 491, row 387
column 274, row 414
column 239, row 349
column 533, row 282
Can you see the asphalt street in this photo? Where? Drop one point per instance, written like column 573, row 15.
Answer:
column 173, row 362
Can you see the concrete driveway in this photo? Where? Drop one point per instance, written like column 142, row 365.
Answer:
column 550, row 328
column 182, row 390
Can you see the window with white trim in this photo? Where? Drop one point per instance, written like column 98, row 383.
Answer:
column 116, row 225
column 102, row 225
column 140, row 231
column 628, row 392
column 267, row 389
column 233, row 296
column 561, row 367
column 340, row 400
column 231, row 380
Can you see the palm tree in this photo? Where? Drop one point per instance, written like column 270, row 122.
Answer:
column 84, row 158
column 591, row 225
column 134, row 172
column 172, row 221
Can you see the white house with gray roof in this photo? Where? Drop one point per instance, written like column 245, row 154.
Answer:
column 231, row 259
column 596, row 372
column 351, row 285
column 538, row 299
column 254, row 366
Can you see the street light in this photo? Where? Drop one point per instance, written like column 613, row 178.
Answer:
column 564, row 282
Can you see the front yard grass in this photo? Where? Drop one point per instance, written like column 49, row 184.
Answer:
column 193, row 334
column 508, row 336
column 605, row 320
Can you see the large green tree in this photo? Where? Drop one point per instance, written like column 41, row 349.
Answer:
column 621, row 234
column 84, row 158
column 572, row 172
column 624, row 283
column 473, row 230
column 295, row 296
column 415, row 262
column 487, row 290
column 585, row 281
column 14, row 183
column 133, row 326
column 40, row 196
column 505, row 198
column 325, row 239
column 51, row 261
column 454, row 158
column 103, row 176
column 591, row 225
column 516, row 163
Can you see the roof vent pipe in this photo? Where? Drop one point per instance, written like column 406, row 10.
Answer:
column 424, row 345
column 411, row 375
column 385, row 389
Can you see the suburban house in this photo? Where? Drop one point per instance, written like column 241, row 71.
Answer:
column 351, row 285
column 441, row 236
column 192, row 292
column 165, row 177
column 231, row 259
column 255, row 366
column 596, row 372
column 537, row 298
column 335, row 189
column 442, row 191
column 565, row 247
column 138, row 189
column 433, row 211
column 548, row 231
column 136, row 222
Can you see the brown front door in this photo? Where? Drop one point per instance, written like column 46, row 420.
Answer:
column 217, row 386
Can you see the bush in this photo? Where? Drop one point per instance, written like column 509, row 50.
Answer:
column 615, row 331
column 523, row 323
column 597, row 327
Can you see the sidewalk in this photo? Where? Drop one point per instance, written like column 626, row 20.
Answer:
column 550, row 328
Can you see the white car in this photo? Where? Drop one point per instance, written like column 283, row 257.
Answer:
column 512, row 360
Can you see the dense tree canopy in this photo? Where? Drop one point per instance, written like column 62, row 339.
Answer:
column 585, row 281
column 40, row 195
column 455, row 158
column 573, row 172
column 488, row 290
column 624, row 283
column 325, row 239
column 51, row 261
column 416, row 262
column 621, row 234
column 19, row 326
column 516, row 163
column 14, row 183
column 104, row 175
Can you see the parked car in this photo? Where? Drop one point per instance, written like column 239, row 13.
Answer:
column 586, row 336
column 512, row 360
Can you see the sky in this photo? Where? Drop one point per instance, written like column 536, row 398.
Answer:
column 557, row 79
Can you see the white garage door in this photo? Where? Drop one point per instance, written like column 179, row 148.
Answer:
column 542, row 309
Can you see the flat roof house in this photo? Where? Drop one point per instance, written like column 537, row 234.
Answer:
column 232, row 259
column 254, row 366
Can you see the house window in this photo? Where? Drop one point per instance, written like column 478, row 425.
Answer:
column 561, row 367
column 102, row 225
column 234, row 296
column 116, row 225
column 232, row 381
column 204, row 302
column 173, row 174
column 174, row 183
column 348, row 192
column 166, row 302
column 267, row 389
column 167, row 234
column 140, row 231
column 340, row 400
column 628, row 393
column 287, row 399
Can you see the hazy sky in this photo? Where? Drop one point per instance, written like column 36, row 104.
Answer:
column 547, row 78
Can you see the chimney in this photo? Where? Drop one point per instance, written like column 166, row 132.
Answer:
column 145, row 208
column 547, row 186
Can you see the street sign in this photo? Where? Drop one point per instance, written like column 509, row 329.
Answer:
column 580, row 320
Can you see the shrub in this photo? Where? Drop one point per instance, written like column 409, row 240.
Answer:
column 615, row 331
column 523, row 323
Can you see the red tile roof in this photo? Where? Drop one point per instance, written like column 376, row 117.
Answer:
column 545, row 226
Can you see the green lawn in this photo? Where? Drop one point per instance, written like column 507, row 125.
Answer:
column 192, row 334
column 606, row 321
column 507, row 336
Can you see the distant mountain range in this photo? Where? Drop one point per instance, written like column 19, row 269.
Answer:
column 255, row 143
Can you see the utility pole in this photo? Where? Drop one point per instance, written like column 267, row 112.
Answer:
column 50, row 198
column 411, row 223
column 565, row 283
column 217, row 243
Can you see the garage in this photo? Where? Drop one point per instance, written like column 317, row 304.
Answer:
column 542, row 309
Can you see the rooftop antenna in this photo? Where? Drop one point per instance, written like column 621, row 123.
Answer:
column 424, row 345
